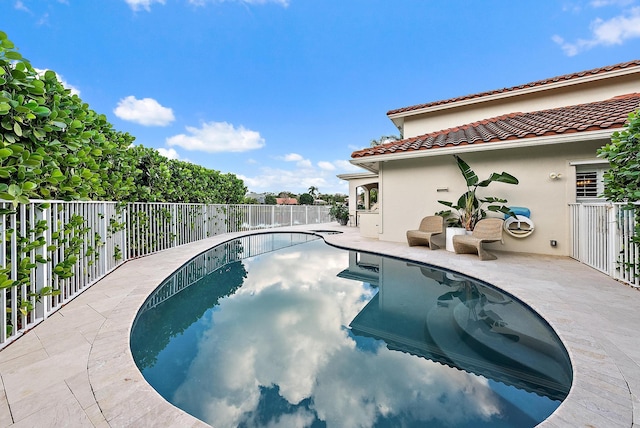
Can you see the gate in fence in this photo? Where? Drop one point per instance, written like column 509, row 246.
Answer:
column 602, row 237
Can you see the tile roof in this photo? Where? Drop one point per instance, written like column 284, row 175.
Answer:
column 595, row 71
column 595, row 116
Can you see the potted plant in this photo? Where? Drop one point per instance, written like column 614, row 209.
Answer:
column 470, row 208
column 340, row 212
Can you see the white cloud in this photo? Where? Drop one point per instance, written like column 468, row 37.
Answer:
column 283, row 3
column 346, row 166
column 73, row 89
column 302, row 176
column 216, row 137
column 327, row 166
column 147, row 111
column 297, row 180
column 169, row 153
column 142, row 4
column 614, row 31
column 295, row 157
column 292, row 157
column 603, row 3
column 19, row 5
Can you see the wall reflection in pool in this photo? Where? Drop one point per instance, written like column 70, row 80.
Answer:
column 284, row 330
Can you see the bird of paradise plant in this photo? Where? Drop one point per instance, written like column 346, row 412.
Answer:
column 470, row 208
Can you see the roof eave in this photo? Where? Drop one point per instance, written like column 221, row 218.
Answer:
column 482, row 147
column 354, row 175
column 399, row 117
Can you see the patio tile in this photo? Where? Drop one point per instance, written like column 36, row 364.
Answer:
column 595, row 316
column 57, row 414
column 24, row 381
column 62, row 341
column 96, row 417
column 21, row 361
column 28, row 343
column 125, row 401
column 81, row 389
column 5, row 411
column 34, row 402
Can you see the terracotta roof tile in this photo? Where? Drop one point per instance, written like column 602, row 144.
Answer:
column 634, row 63
column 611, row 113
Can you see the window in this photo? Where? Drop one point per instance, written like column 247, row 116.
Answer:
column 587, row 184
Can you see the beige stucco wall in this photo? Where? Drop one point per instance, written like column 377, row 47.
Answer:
column 408, row 190
column 446, row 116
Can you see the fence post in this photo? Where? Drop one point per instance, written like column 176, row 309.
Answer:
column 41, row 277
column 613, row 241
column 3, row 265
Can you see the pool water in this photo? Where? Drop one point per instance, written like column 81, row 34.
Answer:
column 284, row 330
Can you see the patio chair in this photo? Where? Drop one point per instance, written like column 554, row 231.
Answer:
column 429, row 227
column 486, row 230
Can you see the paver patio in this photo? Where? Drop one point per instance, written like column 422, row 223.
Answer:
column 76, row 369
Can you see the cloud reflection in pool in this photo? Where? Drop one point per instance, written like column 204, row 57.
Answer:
column 279, row 351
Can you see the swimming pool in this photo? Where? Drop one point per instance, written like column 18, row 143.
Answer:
column 286, row 330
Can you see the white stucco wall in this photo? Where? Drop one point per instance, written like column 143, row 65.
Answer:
column 409, row 190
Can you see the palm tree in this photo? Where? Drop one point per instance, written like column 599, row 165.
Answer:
column 313, row 191
column 384, row 140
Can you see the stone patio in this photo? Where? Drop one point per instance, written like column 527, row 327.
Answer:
column 76, row 369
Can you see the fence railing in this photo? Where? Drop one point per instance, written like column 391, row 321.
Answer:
column 602, row 237
column 50, row 251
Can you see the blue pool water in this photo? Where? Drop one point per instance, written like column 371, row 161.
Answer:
column 284, row 330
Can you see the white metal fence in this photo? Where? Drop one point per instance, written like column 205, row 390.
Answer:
column 602, row 237
column 50, row 251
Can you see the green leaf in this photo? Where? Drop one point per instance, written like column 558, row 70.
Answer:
column 17, row 129
column 58, row 124
column 14, row 190
column 470, row 177
column 13, row 55
column 5, row 152
column 28, row 185
column 7, row 283
column 42, row 111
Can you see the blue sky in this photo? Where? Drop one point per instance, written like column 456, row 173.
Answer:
column 280, row 92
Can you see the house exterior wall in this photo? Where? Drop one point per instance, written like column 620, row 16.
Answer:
column 409, row 189
column 446, row 116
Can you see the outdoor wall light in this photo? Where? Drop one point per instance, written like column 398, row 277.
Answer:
column 555, row 176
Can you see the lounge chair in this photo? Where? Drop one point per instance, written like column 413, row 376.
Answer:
column 429, row 227
column 486, row 230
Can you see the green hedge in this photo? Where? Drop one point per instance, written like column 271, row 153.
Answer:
column 53, row 146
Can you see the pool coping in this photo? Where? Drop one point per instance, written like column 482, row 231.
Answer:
column 96, row 383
